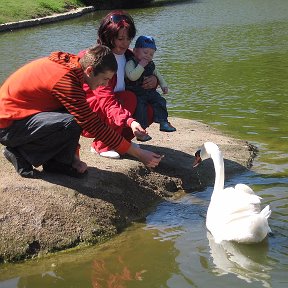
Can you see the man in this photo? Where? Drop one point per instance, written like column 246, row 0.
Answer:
column 43, row 110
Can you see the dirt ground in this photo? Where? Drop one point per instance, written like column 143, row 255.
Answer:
column 54, row 212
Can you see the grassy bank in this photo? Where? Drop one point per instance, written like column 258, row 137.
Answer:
column 16, row 10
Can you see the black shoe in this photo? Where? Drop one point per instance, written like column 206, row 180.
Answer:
column 53, row 166
column 144, row 138
column 22, row 166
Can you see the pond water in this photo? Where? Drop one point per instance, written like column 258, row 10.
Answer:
column 226, row 63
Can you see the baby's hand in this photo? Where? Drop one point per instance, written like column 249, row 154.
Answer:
column 165, row 90
column 143, row 62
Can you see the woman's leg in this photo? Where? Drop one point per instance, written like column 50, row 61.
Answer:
column 128, row 101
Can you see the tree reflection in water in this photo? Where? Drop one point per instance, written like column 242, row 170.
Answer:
column 105, row 277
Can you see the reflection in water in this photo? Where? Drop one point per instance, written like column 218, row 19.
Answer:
column 247, row 262
column 46, row 279
column 102, row 276
column 226, row 64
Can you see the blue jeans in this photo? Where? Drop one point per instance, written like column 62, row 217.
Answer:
column 152, row 97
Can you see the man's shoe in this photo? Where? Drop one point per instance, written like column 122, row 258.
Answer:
column 167, row 127
column 53, row 166
column 22, row 166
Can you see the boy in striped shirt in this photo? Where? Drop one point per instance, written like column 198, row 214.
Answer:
column 43, row 110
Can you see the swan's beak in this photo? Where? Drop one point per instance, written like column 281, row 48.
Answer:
column 198, row 159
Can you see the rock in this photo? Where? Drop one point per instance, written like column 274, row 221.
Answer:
column 56, row 212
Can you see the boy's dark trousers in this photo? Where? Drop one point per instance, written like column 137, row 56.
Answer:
column 44, row 136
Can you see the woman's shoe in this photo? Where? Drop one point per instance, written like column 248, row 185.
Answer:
column 108, row 154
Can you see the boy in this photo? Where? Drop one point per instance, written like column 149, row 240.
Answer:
column 43, row 110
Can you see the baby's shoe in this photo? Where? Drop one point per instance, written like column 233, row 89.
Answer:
column 167, row 127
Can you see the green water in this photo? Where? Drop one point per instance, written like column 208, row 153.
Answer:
column 226, row 65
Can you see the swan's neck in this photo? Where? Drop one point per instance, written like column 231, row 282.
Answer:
column 219, row 171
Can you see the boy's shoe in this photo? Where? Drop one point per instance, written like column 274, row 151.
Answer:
column 53, row 166
column 167, row 127
column 108, row 154
column 144, row 138
column 22, row 166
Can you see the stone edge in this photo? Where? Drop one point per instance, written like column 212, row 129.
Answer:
column 48, row 19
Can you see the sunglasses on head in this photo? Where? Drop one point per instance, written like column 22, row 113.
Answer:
column 118, row 18
column 149, row 41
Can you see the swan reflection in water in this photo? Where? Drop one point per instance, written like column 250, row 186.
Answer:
column 247, row 262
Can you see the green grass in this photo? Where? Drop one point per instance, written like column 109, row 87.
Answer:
column 16, row 10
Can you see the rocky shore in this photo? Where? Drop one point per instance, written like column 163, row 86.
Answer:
column 54, row 212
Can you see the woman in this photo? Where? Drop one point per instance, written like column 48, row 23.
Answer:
column 113, row 103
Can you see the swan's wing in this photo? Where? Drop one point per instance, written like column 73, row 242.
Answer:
column 244, row 188
column 232, row 204
column 234, row 214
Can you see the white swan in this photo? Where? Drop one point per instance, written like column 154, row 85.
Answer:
column 233, row 214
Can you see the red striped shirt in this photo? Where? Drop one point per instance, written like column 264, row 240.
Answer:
column 47, row 84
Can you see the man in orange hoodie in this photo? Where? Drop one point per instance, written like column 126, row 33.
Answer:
column 43, row 110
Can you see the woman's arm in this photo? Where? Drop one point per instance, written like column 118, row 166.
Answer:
column 150, row 82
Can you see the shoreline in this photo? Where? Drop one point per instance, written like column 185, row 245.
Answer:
column 10, row 26
column 55, row 212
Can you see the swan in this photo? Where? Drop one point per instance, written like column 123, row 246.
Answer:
column 234, row 214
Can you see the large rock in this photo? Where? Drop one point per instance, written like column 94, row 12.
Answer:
column 55, row 212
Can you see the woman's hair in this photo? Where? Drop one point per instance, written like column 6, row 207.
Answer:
column 101, row 59
column 110, row 26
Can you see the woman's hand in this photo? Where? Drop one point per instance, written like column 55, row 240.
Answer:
column 150, row 82
column 148, row 158
column 137, row 130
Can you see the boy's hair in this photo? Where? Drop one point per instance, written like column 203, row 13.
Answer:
column 110, row 26
column 101, row 59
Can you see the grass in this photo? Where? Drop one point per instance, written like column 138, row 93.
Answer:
column 16, row 10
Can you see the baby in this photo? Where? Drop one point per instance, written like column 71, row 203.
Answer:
column 137, row 68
